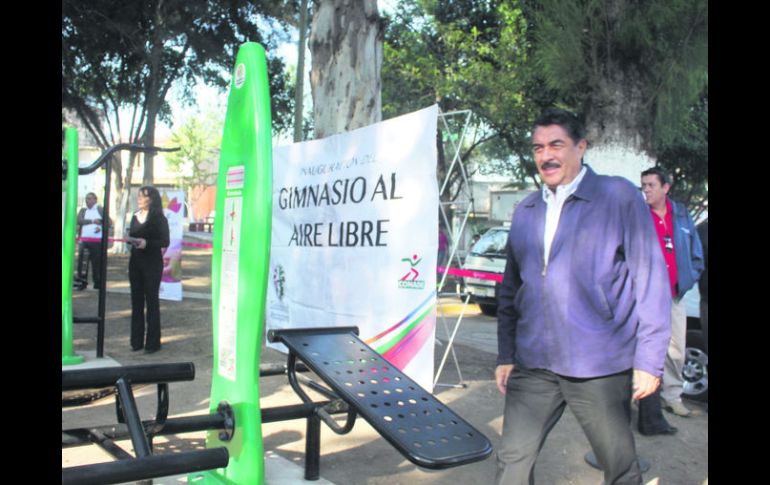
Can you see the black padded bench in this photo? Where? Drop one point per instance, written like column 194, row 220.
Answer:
column 418, row 425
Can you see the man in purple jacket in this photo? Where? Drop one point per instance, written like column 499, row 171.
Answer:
column 583, row 311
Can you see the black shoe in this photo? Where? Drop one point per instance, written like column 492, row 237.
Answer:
column 670, row 430
column 136, row 349
column 151, row 351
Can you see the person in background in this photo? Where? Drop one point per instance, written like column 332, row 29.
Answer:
column 682, row 250
column 89, row 223
column 443, row 245
column 148, row 235
column 583, row 311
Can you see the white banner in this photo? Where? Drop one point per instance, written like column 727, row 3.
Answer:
column 173, row 209
column 355, row 237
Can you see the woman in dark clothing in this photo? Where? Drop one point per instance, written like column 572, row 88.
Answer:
column 148, row 236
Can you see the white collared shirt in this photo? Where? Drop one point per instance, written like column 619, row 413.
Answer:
column 554, row 204
column 91, row 230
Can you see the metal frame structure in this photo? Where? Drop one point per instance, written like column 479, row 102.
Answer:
column 144, row 465
column 104, row 161
column 466, row 189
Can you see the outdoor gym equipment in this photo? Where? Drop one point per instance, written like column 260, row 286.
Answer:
column 359, row 380
column 144, row 465
column 240, row 268
column 69, row 215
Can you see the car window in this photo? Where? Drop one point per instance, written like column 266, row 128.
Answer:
column 492, row 243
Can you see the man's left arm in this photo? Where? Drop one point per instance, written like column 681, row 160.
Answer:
column 696, row 248
column 653, row 294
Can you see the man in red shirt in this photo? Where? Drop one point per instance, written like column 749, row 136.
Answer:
column 683, row 254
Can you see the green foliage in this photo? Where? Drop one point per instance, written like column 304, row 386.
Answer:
column 655, row 51
column 199, row 139
column 686, row 158
column 127, row 54
column 508, row 60
column 468, row 54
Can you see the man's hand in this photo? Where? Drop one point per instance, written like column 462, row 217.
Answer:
column 502, row 373
column 644, row 384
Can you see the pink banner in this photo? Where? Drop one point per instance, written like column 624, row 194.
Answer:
column 482, row 275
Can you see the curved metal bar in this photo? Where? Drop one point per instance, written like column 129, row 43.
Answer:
column 320, row 411
column 330, row 422
column 122, row 146
column 161, row 413
column 291, row 365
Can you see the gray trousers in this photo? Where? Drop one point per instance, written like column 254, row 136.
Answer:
column 534, row 403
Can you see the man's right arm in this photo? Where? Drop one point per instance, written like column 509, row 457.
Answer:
column 653, row 292
column 507, row 317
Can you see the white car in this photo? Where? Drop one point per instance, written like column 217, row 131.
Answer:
column 487, row 257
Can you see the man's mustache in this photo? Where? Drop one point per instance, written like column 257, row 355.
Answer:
column 548, row 165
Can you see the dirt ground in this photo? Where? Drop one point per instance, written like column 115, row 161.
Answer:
column 361, row 457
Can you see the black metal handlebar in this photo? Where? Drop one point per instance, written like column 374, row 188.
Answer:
column 122, row 146
column 109, row 152
column 136, row 374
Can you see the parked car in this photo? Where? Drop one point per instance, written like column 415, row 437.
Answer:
column 487, row 256
column 695, row 372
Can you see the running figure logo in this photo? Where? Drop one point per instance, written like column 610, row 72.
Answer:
column 412, row 270
column 412, row 283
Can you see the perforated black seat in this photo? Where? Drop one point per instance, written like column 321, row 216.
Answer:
column 417, row 424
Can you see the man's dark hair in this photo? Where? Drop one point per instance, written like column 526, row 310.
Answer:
column 660, row 173
column 567, row 120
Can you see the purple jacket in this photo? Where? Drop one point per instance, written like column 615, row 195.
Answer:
column 603, row 304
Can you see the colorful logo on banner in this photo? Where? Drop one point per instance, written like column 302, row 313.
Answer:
column 409, row 280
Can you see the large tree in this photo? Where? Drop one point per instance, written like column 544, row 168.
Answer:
column 123, row 58
column 346, row 50
column 467, row 54
column 686, row 158
column 632, row 68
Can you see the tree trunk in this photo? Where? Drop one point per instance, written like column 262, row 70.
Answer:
column 617, row 132
column 122, row 197
column 299, row 90
column 617, row 114
column 346, row 46
column 149, row 140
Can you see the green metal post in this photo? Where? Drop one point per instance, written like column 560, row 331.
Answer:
column 240, row 262
column 69, row 204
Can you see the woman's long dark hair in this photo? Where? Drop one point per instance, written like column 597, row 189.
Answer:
column 156, row 203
